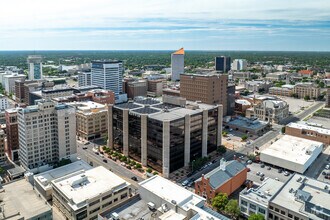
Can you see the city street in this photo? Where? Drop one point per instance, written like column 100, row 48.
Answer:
column 89, row 155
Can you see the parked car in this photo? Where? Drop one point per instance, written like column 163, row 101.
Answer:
column 277, row 179
column 327, row 167
column 286, row 173
column 85, row 148
column 184, row 183
column 248, row 169
column 134, row 178
column 105, row 161
column 190, row 183
column 249, row 162
column 280, row 170
column 262, row 178
column 86, row 143
column 262, row 175
column 258, row 173
column 324, row 173
column 97, row 153
column 262, row 165
column 213, row 161
column 269, row 168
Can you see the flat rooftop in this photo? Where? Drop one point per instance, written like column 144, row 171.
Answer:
column 44, row 179
column 299, row 189
column 83, row 185
column 248, row 123
column 88, row 107
column 20, row 197
column 264, row 193
column 305, row 126
column 160, row 111
column 292, row 149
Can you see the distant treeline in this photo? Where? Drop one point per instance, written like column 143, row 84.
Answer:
column 138, row 59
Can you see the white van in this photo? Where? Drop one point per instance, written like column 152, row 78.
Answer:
column 151, row 205
column 114, row 216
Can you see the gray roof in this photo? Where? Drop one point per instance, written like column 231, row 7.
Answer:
column 219, row 176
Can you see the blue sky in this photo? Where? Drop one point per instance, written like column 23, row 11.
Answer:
column 165, row 25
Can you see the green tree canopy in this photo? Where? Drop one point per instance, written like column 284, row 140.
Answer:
column 220, row 201
column 256, row 217
column 233, row 209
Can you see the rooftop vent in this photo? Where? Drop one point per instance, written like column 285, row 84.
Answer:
column 173, row 202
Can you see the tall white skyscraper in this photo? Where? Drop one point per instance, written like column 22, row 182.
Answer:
column 239, row 64
column 108, row 75
column 177, row 64
column 35, row 67
column 85, row 79
column 47, row 134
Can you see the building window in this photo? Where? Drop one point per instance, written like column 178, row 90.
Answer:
column 243, row 202
column 252, row 206
column 94, row 203
column 282, row 212
column 261, row 210
column 289, row 215
column 277, row 210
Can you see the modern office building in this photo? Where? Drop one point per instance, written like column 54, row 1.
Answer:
column 222, row 64
column 12, row 134
column 86, row 193
column 43, row 181
column 208, row 88
column 164, row 136
column 20, row 201
column 306, row 89
column 84, row 79
column 231, row 90
column 239, row 65
column 177, row 64
column 256, row 200
column 35, row 67
column 226, row 178
column 108, row 75
column 273, row 111
column 9, row 82
column 301, row 198
column 3, row 102
column 308, row 131
column 92, row 120
column 3, row 157
column 171, row 201
column 292, row 153
column 47, row 134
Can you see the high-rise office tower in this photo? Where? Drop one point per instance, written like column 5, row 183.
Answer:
column 239, row 64
column 47, row 134
column 12, row 134
column 177, row 64
column 222, row 64
column 108, row 75
column 35, row 67
column 84, row 79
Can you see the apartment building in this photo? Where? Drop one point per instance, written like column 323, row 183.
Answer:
column 164, row 136
column 207, row 88
column 226, row 178
column 86, row 193
column 308, row 131
column 47, row 134
column 306, row 89
column 3, row 157
column 91, row 119
column 273, row 111
column 12, row 134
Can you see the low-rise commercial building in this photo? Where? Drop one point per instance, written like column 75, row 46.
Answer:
column 302, row 90
column 258, row 86
column 42, row 181
column 241, row 105
column 171, row 201
column 84, row 194
column 91, row 119
column 256, row 200
column 20, row 201
column 281, row 91
column 226, row 178
column 248, row 125
column 277, row 76
column 273, row 111
column 307, row 131
column 292, row 153
column 164, row 136
column 301, row 198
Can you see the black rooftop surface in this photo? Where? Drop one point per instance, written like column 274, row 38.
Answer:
column 128, row 105
column 147, row 101
column 146, row 110
column 168, row 106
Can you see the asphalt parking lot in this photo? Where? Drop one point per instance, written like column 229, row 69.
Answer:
column 296, row 105
column 272, row 173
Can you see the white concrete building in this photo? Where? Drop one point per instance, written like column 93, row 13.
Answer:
column 85, row 194
column 47, row 134
column 177, row 64
column 85, row 79
column 42, row 181
column 256, row 200
column 172, row 201
column 108, row 75
column 292, row 153
column 9, row 82
column 35, row 67
column 239, row 64
column 3, row 102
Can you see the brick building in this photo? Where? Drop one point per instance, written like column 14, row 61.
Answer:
column 305, row 130
column 12, row 134
column 306, row 89
column 207, row 88
column 227, row 178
